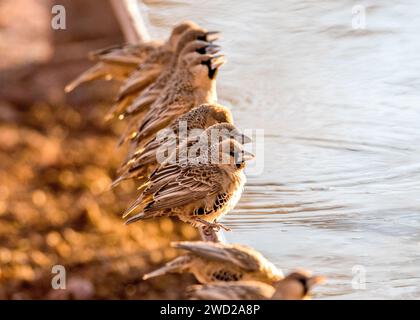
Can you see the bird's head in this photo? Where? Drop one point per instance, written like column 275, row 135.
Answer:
column 178, row 31
column 200, row 47
column 232, row 154
column 214, row 113
column 202, row 68
column 193, row 34
column 221, row 131
column 298, row 284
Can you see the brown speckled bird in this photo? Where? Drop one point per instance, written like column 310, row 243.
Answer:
column 193, row 83
column 146, row 83
column 295, row 286
column 177, row 95
column 136, row 97
column 186, row 151
column 198, row 193
column 137, row 108
column 199, row 148
column 118, row 62
column 143, row 161
column 219, row 262
column 238, row 290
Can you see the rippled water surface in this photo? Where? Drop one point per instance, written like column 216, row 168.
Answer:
column 340, row 109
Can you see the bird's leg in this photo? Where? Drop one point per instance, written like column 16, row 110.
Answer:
column 214, row 225
column 209, row 234
column 207, row 224
column 223, row 226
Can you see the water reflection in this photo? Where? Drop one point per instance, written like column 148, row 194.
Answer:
column 340, row 110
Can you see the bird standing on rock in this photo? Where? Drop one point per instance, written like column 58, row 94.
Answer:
column 198, row 193
column 217, row 262
column 295, row 286
column 118, row 62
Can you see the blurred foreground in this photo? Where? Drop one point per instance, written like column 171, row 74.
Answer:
column 57, row 159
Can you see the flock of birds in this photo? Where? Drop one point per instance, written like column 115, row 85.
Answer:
column 165, row 84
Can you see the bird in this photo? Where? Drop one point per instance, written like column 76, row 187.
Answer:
column 119, row 61
column 184, row 127
column 152, row 79
column 295, row 286
column 175, row 150
column 193, row 83
column 238, row 290
column 133, row 95
column 141, row 99
column 188, row 145
column 129, row 105
column 213, row 262
column 200, row 148
column 199, row 192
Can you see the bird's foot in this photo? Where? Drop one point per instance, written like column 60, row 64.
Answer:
column 223, row 226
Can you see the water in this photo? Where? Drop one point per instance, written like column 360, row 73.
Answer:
column 340, row 189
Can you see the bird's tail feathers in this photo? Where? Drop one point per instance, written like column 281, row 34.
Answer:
column 141, row 103
column 139, row 82
column 177, row 265
column 96, row 72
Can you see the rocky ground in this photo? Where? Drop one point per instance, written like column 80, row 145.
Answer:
column 57, row 159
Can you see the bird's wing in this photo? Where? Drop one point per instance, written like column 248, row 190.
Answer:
column 153, row 117
column 116, row 62
column 150, row 153
column 142, row 102
column 238, row 290
column 99, row 71
column 183, row 185
column 140, row 79
column 193, row 120
column 165, row 138
column 161, row 82
column 126, row 54
column 242, row 256
column 157, row 180
column 160, row 177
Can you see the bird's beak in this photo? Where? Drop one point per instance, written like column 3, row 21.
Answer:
column 246, row 156
column 245, row 139
column 216, row 61
column 211, row 36
column 212, row 48
column 316, row 280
